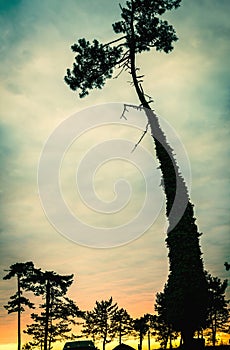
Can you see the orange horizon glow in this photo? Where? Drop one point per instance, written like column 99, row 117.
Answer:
column 9, row 337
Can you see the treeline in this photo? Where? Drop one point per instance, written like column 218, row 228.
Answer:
column 55, row 314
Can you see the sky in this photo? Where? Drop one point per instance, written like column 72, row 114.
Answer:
column 190, row 88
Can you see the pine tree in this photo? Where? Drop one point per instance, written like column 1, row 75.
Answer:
column 23, row 273
column 142, row 29
column 53, row 288
column 63, row 315
column 141, row 327
column 98, row 322
column 122, row 323
column 162, row 328
column 218, row 312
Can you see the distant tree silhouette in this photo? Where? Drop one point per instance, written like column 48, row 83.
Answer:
column 141, row 327
column 121, row 323
column 58, row 311
column 62, row 316
column 22, row 272
column 218, row 312
column 162, row 328
column 53, row 288
column 140, row 30
column 98, row 322
column 36, row 331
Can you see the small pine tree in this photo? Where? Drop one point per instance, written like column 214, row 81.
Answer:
column 121, row 323
column 141, row 327
column 99, row 321
column 218, row 312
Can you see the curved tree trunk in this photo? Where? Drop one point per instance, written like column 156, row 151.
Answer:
column 187, row 288
column 182, row 236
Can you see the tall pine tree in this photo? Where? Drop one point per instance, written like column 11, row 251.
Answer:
column 52, row 287
column 23, row 273
column 142, row 29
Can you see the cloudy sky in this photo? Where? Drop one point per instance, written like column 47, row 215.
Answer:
column 190, row 88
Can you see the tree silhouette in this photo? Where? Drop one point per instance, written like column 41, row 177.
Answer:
column 52, row 287
column 121, row 323
column 218, row 313
column 36, row 330
column 162, row 328
column 61, row 318
column 98, row 322
column 141, row 327
column 140, row 30
column 23, row 273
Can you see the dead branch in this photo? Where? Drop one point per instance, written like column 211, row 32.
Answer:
column 141, row 138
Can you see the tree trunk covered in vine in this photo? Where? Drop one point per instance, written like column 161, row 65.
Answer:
column 186, row 292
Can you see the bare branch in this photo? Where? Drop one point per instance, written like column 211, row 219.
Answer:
column 141, row 138
column 120, row 7
column 114, row 41
column 149, row 97
column 121, row 71
column 124, row 57
column 138, row 108
column 123, row 113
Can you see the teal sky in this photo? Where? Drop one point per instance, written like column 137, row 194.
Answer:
column 191, row 90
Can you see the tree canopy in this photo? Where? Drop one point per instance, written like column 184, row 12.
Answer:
column 99, row 321
column 58, row 312
column 121, row 323
column 140, row 30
